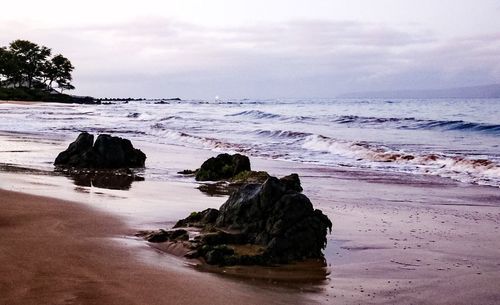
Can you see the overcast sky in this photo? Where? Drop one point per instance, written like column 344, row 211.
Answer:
column 263, row 48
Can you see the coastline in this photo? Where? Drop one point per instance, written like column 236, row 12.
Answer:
column 397, row 238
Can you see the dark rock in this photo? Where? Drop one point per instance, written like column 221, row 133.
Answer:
column 221, row 237
column 221, row 188
column 272, row 222
column 227, row 173
column 247, row 177
column 199, row 219
column 82, row 144
column 106, row 152
column 161, row 235
column 214, row 257
column 224, row 166
column 277, row 216
column 217, row 255
column 155, row 236
column 187, row 172
column 179, row 234
column 292, row 182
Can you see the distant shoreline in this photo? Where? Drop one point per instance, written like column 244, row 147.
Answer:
column 26, row 95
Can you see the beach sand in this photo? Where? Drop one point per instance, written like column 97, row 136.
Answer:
column 19, row 102
column 397, row 238
column 59, row 252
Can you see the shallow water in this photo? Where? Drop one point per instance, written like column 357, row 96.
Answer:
column 445, row 137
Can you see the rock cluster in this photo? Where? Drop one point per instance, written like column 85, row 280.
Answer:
column 260, row 224
column 106, row 152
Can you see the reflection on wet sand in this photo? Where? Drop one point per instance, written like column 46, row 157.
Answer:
column 10, row 168
column 216, row 189
column 120, row 179
column 109, row 179
column 310, row 275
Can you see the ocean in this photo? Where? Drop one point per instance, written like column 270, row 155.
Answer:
column 455, row 138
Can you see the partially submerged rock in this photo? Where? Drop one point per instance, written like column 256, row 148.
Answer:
column 106, row 152
column 224, row 166
column 259, row 224
column 225, row 173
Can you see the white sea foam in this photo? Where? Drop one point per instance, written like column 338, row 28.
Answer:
column 181, row 138
column 481, row 171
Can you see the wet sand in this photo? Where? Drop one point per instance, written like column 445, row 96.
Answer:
column 59, row 252
column 409, row 239
column 397, row 238
column 19, row 102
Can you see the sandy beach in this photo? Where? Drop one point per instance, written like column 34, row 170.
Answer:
column 58, row 252
column 18, row 102
column 397, row 238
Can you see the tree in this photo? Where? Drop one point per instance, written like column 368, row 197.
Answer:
column 59, row 69
column 3, row 64
column 26, row 64
column 9, row 67
column 31, row 58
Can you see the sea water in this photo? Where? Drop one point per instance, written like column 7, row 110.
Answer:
column 456, row 138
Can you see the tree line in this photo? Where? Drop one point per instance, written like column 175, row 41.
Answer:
column 24, row 64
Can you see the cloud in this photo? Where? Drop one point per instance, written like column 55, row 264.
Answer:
column 161, row 56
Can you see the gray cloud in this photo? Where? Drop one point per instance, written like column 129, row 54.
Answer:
column 164, row 57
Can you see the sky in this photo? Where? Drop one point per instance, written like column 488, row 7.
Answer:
column 263, row 49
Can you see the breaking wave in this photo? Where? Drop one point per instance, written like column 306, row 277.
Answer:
column 257, row 114
column 182, row 138
column 413, row 123
column 281, row 133
column 465, row 169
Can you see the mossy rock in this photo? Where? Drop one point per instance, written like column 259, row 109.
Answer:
column 222, row 167
column 250, row 177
